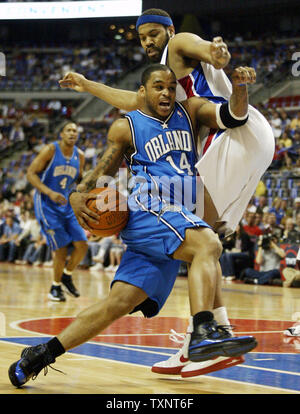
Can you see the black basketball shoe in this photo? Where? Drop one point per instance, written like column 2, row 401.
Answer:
column 56, row 294
column 67, row 281
column 33, row 360
column 210, row 340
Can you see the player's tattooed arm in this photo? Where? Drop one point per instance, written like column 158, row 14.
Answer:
column 108, row 165
column 118, row 144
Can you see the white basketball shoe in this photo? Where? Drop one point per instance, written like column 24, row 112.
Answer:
column 293, row 330
column 179, row 364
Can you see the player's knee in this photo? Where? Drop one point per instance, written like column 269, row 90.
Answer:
column 213, row 245
column 123, row 298
column 207, row 243
column 119, row 306
column 81, row 246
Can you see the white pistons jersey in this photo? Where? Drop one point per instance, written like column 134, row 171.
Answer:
column 232, row 161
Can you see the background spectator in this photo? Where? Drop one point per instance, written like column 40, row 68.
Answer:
column 268, row 258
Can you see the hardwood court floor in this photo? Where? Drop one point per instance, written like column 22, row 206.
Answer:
column 119, row 360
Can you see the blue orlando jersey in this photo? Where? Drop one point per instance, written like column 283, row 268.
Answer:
column 163, row 162
column 59, row 176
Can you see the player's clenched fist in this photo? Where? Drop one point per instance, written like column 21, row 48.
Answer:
column 243, row 75
column 74, row 81
column 220, row 55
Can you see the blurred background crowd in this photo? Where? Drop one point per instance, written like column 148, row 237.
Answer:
column 33, row 106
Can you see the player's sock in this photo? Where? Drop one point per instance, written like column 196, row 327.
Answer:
column 55, row 347
column 220, row 315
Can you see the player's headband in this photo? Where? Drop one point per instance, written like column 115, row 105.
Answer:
column 149, row 18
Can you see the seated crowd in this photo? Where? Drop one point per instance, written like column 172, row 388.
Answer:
column 253, row 254
column 22, row 242
column 40, row 67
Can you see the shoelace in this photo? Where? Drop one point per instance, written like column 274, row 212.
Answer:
column 46, row 372
column 179, row 338
column 227, row 329
column 46, row 361
column 176, row 337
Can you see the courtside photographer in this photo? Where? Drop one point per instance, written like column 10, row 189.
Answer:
column 268, row 258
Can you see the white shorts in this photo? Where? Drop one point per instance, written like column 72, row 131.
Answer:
column 233, row 165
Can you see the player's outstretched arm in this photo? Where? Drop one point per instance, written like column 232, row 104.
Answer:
column 119, row 98
column 231, row 114
column 118, row 143
column 193, row 47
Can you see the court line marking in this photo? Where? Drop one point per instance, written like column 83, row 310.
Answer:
column 121, row 346
column 15, row 324
column 87, row 357
column 132, row 346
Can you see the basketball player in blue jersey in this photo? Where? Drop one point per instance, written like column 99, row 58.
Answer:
column 158, row 144
column 53, row 173
column 240, row 155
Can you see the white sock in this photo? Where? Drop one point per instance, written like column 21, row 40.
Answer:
column 68, row 272
column 190, row 328
column 55, row 283
column 220, row 315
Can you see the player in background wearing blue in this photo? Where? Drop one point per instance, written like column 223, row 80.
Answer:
column 158, row 144
column 53, row 173
column 231, row 160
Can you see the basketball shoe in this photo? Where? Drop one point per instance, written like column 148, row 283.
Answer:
column 67, row 281
column 180, row 364
column 33, row 360
column 56, row 294
column 210, row 340
column 293, row 330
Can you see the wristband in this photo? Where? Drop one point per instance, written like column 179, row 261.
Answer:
column 226, row 119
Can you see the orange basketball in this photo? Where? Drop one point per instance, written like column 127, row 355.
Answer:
column 111, row 207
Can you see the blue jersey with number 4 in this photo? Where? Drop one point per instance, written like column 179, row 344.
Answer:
column 164, row 159
column 59, row 176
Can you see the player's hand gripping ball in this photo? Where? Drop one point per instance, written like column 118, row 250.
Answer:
column 111, row 207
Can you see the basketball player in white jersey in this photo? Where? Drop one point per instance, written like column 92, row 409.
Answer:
column 232, row 160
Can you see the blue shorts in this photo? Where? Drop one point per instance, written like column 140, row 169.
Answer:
column 158, row 236
column 59, row 229
column 155, row 277
column 148, row 262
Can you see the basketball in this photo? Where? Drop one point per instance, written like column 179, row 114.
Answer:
column 111, row 207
